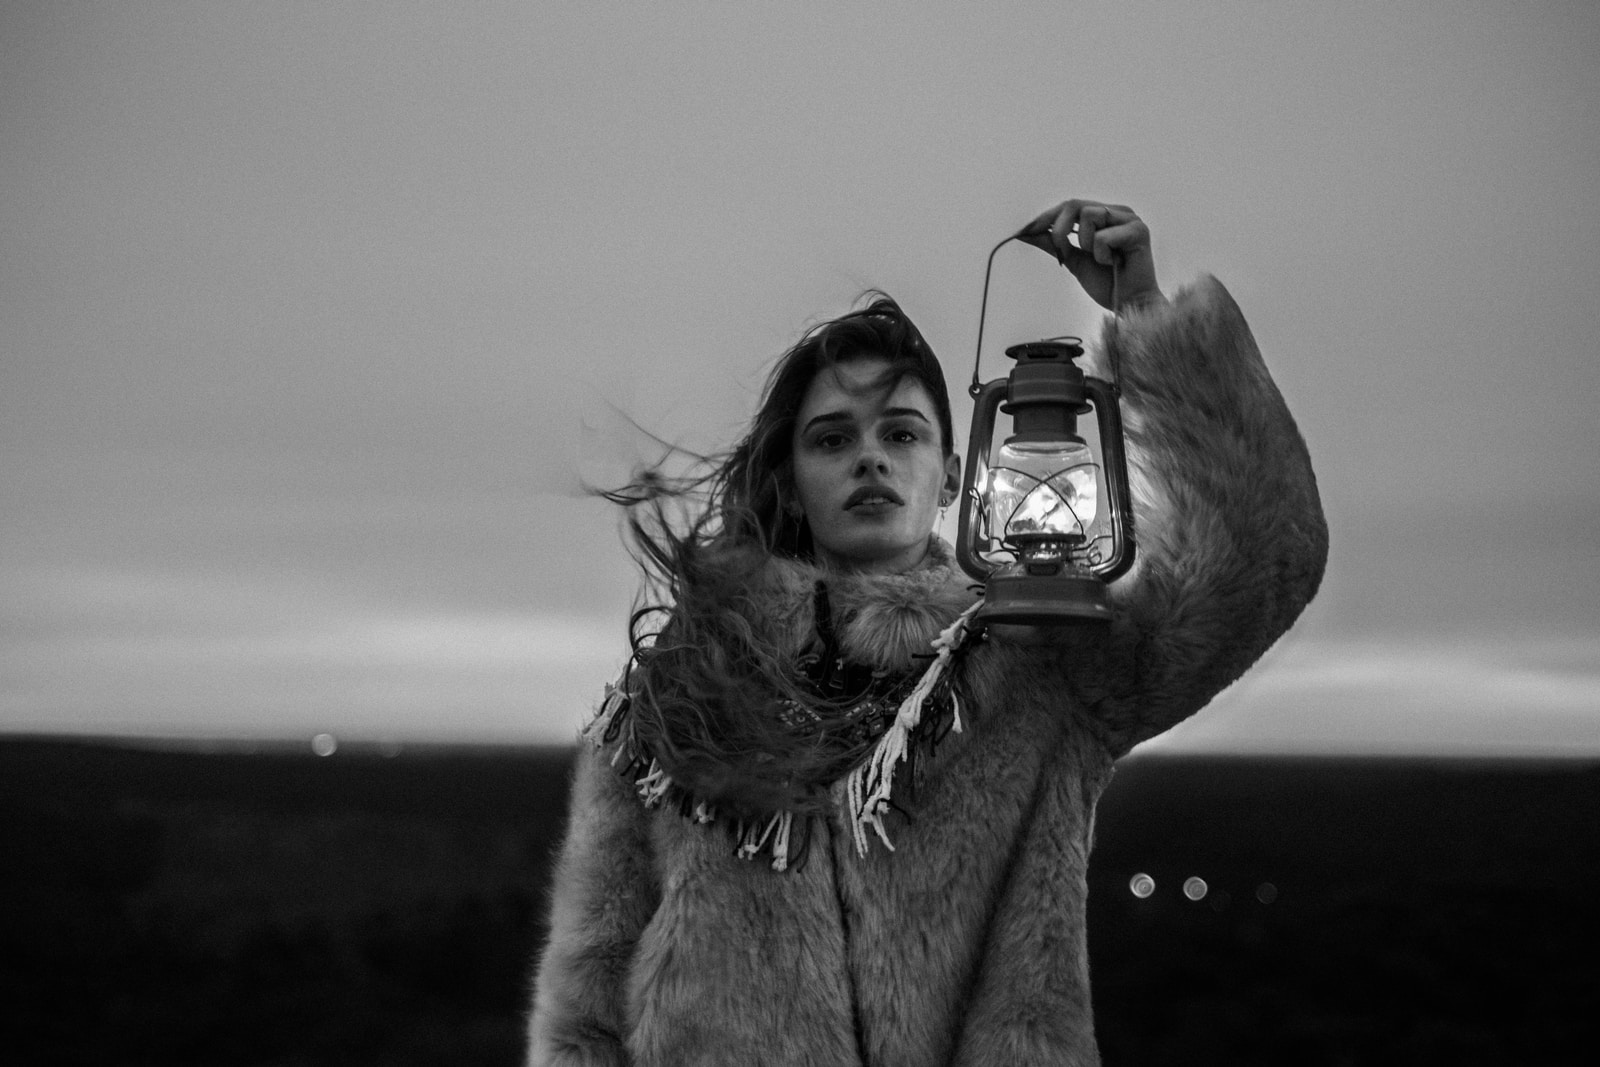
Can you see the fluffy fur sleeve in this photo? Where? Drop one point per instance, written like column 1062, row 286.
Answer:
column 1231, row 540
column 603, row 895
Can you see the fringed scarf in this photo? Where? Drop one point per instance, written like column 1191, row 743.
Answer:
column 888, row 718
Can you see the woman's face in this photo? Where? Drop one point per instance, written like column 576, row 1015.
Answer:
column 869, row 468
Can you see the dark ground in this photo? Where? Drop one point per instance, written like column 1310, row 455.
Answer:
column 169, row 907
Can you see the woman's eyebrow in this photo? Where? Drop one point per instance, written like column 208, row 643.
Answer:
column 830, row 417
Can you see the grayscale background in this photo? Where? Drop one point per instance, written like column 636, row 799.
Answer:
column 312, row 317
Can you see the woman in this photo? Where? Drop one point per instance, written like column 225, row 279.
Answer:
column 723, row 896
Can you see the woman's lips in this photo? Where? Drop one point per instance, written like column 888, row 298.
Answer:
column 872, row 500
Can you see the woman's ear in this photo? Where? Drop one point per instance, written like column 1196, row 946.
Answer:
column 952, row 475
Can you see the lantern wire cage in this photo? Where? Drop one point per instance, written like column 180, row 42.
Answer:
column 1088, row 552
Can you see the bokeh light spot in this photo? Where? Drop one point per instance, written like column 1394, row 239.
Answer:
column 1141, row 885
column 324, row 745
column 1194, row 887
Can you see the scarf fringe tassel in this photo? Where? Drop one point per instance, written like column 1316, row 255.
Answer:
column 868, row 786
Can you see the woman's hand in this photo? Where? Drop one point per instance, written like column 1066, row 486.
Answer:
column 1107, row 234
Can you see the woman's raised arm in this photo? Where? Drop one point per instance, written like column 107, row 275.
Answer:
column 1231, row 539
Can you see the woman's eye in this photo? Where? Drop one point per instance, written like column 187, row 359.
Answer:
column 903, row 437
column 829, row 440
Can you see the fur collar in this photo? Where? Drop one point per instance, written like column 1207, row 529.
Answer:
column 722, row 728
column 884, row 621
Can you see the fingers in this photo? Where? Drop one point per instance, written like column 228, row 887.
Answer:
column 1119, row 241
column 1088, row 229
column 1047, row 231
column 1105, row 246
column 1106, row 232
column 1042, row 222
column 1051, row 229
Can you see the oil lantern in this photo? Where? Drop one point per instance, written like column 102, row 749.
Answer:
column 1045, row 522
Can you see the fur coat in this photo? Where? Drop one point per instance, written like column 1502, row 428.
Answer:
column 966, row 943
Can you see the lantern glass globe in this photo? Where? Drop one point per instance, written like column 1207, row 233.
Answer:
column 1045, row 488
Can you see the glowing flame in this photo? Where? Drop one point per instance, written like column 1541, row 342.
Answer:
column 1063, row 502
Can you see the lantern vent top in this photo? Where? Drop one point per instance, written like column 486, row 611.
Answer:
column 1050, row 350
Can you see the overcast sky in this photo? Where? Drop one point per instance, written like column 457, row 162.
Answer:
column 307, row 312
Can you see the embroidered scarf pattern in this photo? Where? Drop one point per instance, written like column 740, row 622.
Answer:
column 894, row 717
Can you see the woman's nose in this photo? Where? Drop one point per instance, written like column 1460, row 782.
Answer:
column 872, row 458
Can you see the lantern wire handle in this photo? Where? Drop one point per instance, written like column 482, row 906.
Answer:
column 983, row 309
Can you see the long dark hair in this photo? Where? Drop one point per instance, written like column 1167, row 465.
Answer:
column 705, row 680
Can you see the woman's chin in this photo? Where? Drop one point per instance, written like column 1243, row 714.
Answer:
column 880, row 555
